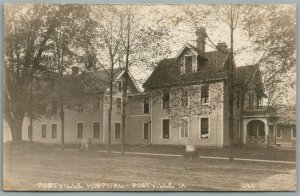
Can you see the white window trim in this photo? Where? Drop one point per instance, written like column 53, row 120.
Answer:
column 93, row 129
column 293, row 138
column 188, row 106
column 162, row 101
column 143, row 108
column 184, row 63
column 28, row 125
column 188, row 121
column 199, row 119
column 161, row 128
column 42, row 130
column 200, row 100
column 56, row 131
column 144, row 130
column 82, row 129
column 280, row 132
column 115, row 130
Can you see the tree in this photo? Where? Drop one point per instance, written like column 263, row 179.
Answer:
column 271, row 29
column 110, row 24
column 27, row 33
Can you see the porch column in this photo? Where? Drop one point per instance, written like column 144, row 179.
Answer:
column 245, row 131
column 266, row 130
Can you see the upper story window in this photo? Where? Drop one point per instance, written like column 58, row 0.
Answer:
column 259, row 103
column 250, row 101
column 120, row 86
column 54, row 107
column 166, row 100
column 118, row 105
column 204, row 94
column 80, row 107
column 96, row 106
column 184, row 98
column 188, row 63
column 146, row 106
column 293, row 132
column 238, row 99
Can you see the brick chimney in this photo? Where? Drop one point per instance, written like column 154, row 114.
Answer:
column 201, row 37
column 222, row 46
column 75, row 70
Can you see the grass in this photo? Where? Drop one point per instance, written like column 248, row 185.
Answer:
column 277, row 154
column 40, row 163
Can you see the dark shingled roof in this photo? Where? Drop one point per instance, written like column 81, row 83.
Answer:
column 99, row 80
column 168, row 70
column 168, row 73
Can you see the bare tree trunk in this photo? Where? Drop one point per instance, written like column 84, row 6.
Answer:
column 30, row 113
column 15, row 126
column 62, row 120
column 231, row 86
column 110, row 105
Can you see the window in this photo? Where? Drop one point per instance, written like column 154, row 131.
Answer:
column 117, row 130
column 166, row 100
column 54, row 131
column 184, row 98
column 259, row 103
column 96, row 129
column 96, row 107
column 278, row 133
column 204, row 128
column 44, row 130
column 80, row 107
column 165, row 128
column 120, row 85
column 146, row 106
column 118, row 105
column 54, row 107
column 79, row 130
column 204, row 94
column 250, row 100
column 29, row 132
column 184, row 127
column 188, row 64
column 293, row 132
column 147, row 127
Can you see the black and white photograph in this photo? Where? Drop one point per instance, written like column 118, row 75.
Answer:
column 149, row 97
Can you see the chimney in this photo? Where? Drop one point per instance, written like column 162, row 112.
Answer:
column 201, row 37
column 75, row 70
column 222, row 46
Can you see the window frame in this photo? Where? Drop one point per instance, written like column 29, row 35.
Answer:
column 93, row 125
column 208, row 98
column 149, row 131
column 118, row 108
column 78, row 130
column 115, row 130
column 162, row 129
column 292, row 132
column 200, row 128
column 188, row 127
column 43, row 130
column 80, row 107
column 188, row 56
column 162, row 101
column 279, row 129
column 149, row 110
column 53, row 130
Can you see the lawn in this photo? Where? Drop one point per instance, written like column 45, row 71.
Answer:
column 40, row 167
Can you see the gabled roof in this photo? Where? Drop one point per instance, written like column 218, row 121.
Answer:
column 197, row 50
column 168, row 73
column 99, row 80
